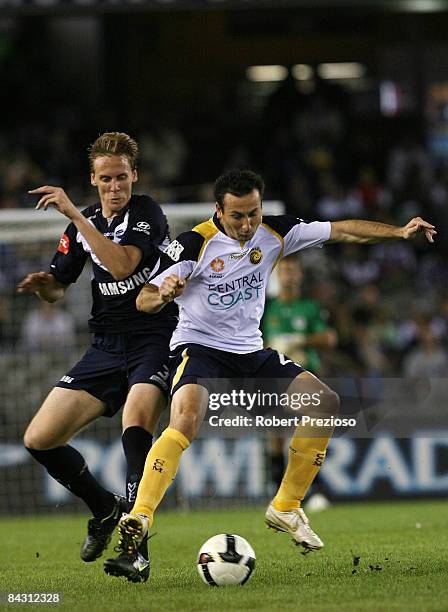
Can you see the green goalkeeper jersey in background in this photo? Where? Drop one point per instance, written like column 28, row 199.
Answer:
column 286, row 324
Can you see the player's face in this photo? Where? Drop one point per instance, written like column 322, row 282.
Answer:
column 241, row 216
column 113, row 177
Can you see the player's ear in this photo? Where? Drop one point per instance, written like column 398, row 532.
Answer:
column 218, row 210
column 92, row 179
column 134, row 176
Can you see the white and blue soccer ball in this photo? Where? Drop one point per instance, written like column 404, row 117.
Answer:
column 226, row 559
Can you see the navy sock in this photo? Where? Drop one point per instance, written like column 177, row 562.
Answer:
column 66, row 465
column 136, row 445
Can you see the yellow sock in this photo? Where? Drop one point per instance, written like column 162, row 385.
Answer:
column 306, row 455
column 160, row 470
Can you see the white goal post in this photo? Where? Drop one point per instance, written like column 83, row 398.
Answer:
column 26, row 225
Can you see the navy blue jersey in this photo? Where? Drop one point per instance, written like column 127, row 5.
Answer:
column 142, row 224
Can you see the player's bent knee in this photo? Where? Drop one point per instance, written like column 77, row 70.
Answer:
column 34, row 440
column 186, row 419
column 330, row 402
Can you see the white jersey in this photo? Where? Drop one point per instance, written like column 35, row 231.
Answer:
column 224, row 299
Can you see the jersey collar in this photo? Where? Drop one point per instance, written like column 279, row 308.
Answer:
column 217, row 222
column 118, row 218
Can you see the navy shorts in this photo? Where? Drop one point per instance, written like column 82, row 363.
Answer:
column 191, row 362
column 115, row 362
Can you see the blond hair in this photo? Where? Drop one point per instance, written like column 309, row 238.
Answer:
column 114, row 143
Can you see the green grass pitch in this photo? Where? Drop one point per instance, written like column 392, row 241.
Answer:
column 402, row 550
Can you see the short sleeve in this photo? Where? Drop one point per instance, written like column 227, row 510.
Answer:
column 306, row 235
column 180, row 257
column 147, row 228
column 69, row 259
column 298, row 234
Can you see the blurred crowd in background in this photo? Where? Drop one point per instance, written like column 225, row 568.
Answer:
column 388, row 302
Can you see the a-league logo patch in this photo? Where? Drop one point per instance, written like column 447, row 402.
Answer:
column 64, row 244
column 255, row 256
column 217, row 264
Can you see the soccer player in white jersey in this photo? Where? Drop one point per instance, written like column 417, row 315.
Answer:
column 218, row 273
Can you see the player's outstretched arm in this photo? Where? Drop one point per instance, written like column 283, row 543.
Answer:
column 44, row 285
column 120, row 261
column 368, row 232
column 152, row 299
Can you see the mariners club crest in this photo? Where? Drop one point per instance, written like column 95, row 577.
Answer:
column 255, row 255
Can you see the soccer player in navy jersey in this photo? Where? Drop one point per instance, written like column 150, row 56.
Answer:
column 123, row 235
column 218, row 274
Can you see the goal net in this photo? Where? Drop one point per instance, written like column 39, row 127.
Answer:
column 39, row 342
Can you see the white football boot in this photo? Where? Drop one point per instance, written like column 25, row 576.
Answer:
column 296, row 523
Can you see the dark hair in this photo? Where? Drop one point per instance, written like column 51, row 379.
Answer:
column 114, row 143
column 238, row 183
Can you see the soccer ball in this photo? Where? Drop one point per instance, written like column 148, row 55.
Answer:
column 226, row 559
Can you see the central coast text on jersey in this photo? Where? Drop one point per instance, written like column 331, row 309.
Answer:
column 224, row 299
column 227, row 295
column 141, row 223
